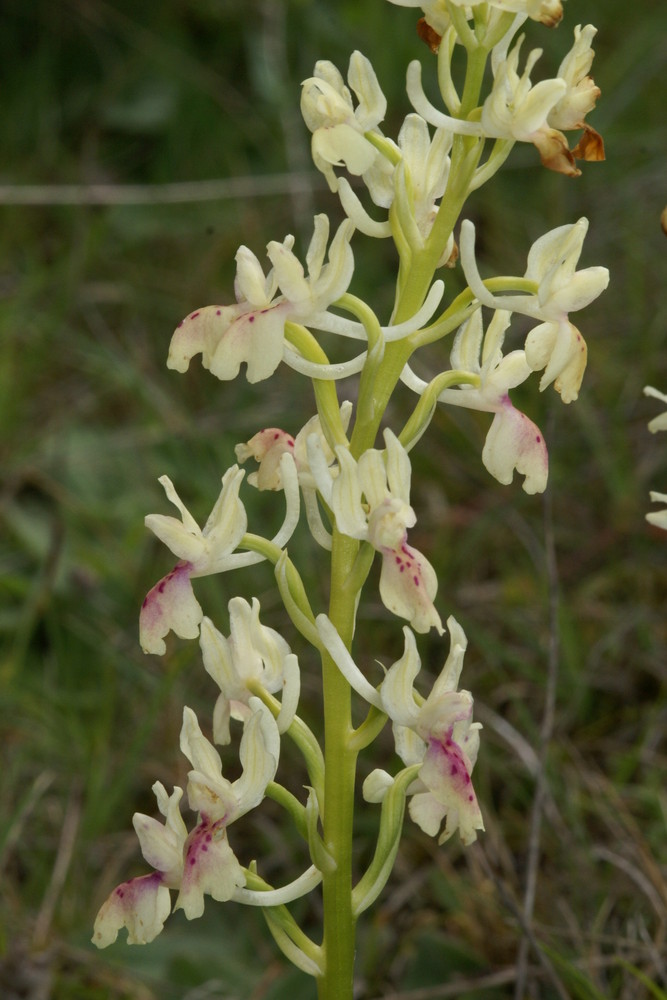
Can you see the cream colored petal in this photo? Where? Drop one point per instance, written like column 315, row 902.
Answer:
column 346, row 497
column 363, row 81
column 448, row 678
column 200, row 333
column 161, row 848
column 141, row 905
column 399, row 470
column 256, row 338
column 226, row 524
column 336, row 274
column 397, row 688
column 515, row 442
column 251, row 283
column 200, row 752
column 376, row 785
column 259, row 753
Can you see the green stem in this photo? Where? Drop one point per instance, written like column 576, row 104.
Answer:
column 339, row 778
column 376, row 394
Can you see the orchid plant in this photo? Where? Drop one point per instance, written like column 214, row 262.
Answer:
column 355, row 488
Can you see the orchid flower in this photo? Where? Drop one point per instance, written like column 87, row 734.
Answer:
column 555, row 345
column 253, row 652
column 201, row 862
column 209, row 863
column 144, row 903
column 438, row 731
column 269, row 445
column 171, row 604
column 418, row 181
column 513, row 441
column 422, row 174
column 408, row 582
column 253, row 330
column 339, row 128
column 517, row 109
column 581, row 93
column 437, row 16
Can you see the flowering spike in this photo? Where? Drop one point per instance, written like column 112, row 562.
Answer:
column 357, row 497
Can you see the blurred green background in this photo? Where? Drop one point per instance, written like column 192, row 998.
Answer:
column 126, row 93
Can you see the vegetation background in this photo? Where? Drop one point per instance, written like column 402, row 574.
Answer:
column 114, row 92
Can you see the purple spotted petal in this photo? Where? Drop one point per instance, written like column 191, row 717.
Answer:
column 199, row 333
column 142, row 905
column 515, row 442
column 210, row 868
column 169, row 606
column 408, row 585
column 446, row 775
column 255, row 337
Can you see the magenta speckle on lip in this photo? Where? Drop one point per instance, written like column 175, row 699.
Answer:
column 251, row 319
column 415, row 580
column 538, row 438
column 218, row 312
column 194, row 315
